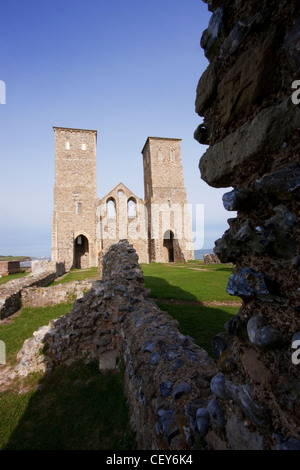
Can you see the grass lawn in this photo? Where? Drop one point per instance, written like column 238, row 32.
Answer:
column 189, row 281
column 78, row 275
column 10, row 277
column 74, row 408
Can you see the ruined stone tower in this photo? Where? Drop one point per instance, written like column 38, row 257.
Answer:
column 169, row 224
column 84, row 227
column 75, row 198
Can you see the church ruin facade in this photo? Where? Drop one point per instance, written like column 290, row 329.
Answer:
column 84, row 226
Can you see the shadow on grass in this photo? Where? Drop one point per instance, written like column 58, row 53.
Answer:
column 202, row 323
column 160, row 288
column 75, row 408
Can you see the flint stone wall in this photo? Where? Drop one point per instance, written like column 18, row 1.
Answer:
column 252, row 126
column 9, row 267
column 10, row 292
column 52, row 295
column 167, row 376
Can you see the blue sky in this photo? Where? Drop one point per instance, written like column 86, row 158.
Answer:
column 128, row 69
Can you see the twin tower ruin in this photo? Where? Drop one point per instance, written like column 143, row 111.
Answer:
column 159, row 227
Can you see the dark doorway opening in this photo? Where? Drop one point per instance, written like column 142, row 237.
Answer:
column 169, row 245
column 81, row 252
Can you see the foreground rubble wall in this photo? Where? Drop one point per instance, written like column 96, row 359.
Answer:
column 167, row 376
column 249, row 103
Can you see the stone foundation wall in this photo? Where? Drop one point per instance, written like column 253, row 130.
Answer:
column 10, row 293
column 9, row 267
column 44, row 296
column 252, row 126
column 167, row 376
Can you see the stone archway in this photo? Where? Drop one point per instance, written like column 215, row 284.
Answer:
column 169, row 245
column 81, row 252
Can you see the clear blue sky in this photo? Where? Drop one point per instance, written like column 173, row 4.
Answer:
column 128, row 69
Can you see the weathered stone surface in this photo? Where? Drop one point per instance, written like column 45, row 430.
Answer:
column 253, row 124
column 283, row 183
column 203, row 420
column 212, row 37
column 44, row 296
column 216, row 413
column 264, row 134
column 238, row 199
column 215, row 442
column 218, row 345
column 255, row 368
column 262, row 334
column 247, row 80
column 243, row 396
column 237, row 35
column 247, row 283
column 218, row 387
column 240, row 437
column 211, row 259
column 292, row 46
column 206, row 89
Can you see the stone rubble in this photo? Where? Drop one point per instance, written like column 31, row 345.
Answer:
column 252, row 129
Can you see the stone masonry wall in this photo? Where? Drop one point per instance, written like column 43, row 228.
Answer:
column 52, row 295
column 10, row 293
column 9, row 267
column 252, row 126
column 167, row 376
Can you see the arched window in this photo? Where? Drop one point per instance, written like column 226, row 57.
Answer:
column 131, row 207
column 111, row 208
column 67, row 145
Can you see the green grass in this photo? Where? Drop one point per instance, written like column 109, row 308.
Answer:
column 22, row 327
column 183, row 281
column 10, row 277
column 75, row 408
column 78, row 275
column 200, row 322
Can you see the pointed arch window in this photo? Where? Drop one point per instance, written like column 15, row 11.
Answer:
column 111, row 208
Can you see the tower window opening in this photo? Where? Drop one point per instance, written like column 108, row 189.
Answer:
column 67, row 145
column 83, row 146
column 79, row 208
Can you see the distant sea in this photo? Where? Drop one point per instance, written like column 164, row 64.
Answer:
column 27, row 264
column 199, row 254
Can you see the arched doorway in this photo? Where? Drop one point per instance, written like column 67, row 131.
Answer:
column 169, row 245
column 81, row 252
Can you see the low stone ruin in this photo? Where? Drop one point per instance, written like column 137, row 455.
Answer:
column 211, row 259
column 167, row 376
column 52, row 295
column 10, row 292
column 179, row 397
